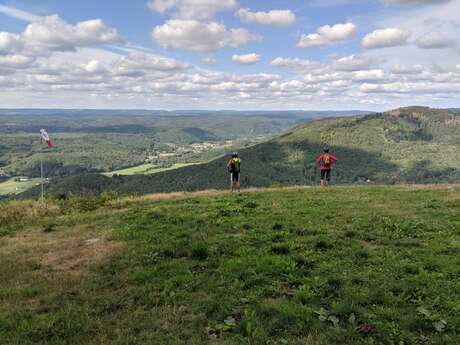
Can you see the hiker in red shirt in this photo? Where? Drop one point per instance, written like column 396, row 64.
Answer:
column 325, row 161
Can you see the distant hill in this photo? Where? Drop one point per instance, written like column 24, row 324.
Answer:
column 108, row 140
column 75, row 113
column 415, row 145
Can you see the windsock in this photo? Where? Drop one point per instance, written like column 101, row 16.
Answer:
column 46, row 137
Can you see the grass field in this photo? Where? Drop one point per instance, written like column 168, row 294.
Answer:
column 307, row 266
column 14, row 187
column 147, row 168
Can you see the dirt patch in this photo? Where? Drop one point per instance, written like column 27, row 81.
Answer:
column 75, row 257
column 371, row 245
column 71, row 252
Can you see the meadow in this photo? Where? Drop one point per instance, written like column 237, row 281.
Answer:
column 310, row 266
column 147, row 168
column 11, row 186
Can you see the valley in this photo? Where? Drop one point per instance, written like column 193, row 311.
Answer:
column 407, row 145
column 128, row 142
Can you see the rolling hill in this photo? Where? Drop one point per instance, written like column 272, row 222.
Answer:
column 407, row 145
column 95, row 141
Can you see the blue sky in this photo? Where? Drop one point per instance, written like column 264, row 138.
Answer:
column 229, row 54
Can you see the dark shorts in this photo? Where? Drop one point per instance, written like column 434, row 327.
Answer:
column 326, row 175
column 235, row 176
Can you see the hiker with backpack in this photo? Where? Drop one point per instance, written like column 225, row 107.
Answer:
column 233, row 167
column 325, row 162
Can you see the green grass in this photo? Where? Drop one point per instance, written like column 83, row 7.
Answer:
column 14, row 187
column 147, row 168
column 339, row 266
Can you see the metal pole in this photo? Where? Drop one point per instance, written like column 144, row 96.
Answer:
column 41, row 176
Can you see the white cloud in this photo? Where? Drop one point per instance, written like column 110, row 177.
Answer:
column 369, row 75
column 419, row 20
column 140, row 61
column 435, row 40
column 52, row 33
column 204, row 9
column 94, row 66
column 406, row 69
column 327, row 35
column 292, row 85
column 210, row 60
column 385, row 88
column 331, row 77
column 10, row 43
column 90, row 77
column 389, row 37
column 411, row 89
column 354, row 63
column 273, row 17
column 18, row 14
column 94, row 81
column 299, row 65
column 199, row 36
column 161, row 6
column 192, row 9
column 16, row 61
column 246, row 59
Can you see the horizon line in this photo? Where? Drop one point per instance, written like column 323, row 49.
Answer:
column 212, row 110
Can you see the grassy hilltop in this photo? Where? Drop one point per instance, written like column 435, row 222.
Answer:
column 342, row 266
column 408, row 145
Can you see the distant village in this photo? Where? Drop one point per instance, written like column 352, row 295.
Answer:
column 176, row 150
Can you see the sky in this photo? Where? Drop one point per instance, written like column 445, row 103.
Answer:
column 230, row 54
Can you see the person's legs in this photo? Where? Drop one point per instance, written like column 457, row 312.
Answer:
column 323, row 173
column 328, row 177
column 238, row 186
column 231, row 182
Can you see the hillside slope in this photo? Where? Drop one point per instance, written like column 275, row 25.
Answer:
column 344, row 266
column 107, row 140
column 415, row 145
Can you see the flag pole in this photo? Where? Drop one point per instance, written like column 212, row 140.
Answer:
column 42, row 195
column 41, row 177
column 43, row 136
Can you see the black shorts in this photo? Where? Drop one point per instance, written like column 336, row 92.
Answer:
column 326, row 175
column 235, row 176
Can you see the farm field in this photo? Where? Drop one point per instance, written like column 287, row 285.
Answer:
column 12, row 186
column 147, row 168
